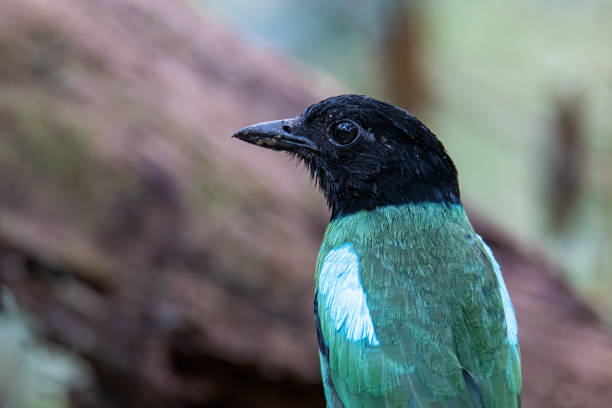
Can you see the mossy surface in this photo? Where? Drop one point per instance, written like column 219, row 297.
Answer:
column 42, row 142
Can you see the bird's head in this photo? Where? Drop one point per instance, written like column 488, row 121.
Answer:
column 363, row 153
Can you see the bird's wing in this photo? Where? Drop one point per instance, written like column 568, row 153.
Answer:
column 500, row 385
column 421, row 325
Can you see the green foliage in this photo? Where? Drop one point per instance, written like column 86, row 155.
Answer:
column 32, row 375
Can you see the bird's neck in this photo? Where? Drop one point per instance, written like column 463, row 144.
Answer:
column 407, row 222
column 354, row 194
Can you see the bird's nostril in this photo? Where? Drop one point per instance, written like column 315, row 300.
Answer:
column 287, row 128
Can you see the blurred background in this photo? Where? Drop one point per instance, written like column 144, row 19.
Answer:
column 146, row 259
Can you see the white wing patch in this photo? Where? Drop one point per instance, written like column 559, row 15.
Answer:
column 511, row 326
column 342, row 295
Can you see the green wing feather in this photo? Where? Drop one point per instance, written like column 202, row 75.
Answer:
column 435, row 302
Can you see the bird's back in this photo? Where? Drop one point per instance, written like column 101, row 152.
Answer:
column 412, row 312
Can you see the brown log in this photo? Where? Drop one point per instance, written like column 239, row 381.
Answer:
column 177, row 262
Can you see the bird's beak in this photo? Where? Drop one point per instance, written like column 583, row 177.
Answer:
column 277, row 135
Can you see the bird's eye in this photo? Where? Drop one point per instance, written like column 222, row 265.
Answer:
column 344, row 132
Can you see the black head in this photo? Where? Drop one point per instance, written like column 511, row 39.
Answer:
column 364, row 153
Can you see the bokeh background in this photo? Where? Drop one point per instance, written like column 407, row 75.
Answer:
column 146, row 259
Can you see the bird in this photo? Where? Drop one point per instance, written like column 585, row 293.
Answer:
column 411, row 308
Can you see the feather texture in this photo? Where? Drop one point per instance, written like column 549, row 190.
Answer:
column 511, row 325
column 435, row 298
column 343, row 297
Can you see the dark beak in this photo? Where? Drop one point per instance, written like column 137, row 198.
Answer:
column 277, row 135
